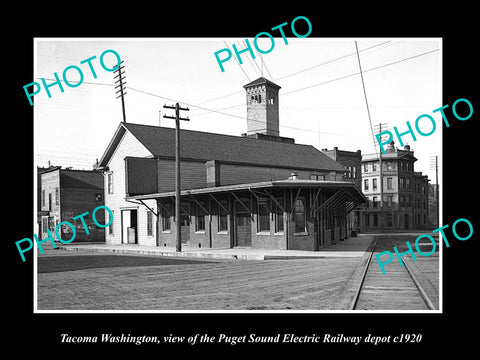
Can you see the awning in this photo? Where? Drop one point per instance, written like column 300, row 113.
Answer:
column 346, row 195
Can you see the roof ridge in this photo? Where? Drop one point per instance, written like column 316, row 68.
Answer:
column 231, row 148
column 217, row 134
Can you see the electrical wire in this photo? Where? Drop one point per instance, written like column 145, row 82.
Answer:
column 366, row 100
column 290, row 92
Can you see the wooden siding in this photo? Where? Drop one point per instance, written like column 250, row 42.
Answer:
column 49, row 182
column 241, row 174
column 128, row 146
column 193, row 175
column 141, row 175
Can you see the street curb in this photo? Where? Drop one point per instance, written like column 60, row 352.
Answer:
column 168, row 253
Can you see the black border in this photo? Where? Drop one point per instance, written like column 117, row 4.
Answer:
column 449, row 330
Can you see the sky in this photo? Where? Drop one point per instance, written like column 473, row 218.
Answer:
column 322, row 99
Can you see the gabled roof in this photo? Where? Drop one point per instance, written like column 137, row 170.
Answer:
column 261, row 80
column 204, row 146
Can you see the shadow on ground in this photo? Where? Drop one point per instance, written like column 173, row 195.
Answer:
column 80, row 262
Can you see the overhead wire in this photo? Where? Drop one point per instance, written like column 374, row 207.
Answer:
column 241, row 68
column 366, row 100
column 347, row 76
column 290, row 92
column 300, row 71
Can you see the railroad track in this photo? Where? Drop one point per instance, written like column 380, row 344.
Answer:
column 397, row 289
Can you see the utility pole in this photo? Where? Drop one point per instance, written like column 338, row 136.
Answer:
column 434, row 165
column 120, row 85
column 177, row 169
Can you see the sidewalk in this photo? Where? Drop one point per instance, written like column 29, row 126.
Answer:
column 352, row 247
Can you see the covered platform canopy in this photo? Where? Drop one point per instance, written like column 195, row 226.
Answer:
column 343, row 194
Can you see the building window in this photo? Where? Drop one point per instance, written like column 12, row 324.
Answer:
column 263, row 217
column 401, row 201
column 365, row 167
column 300, row 218
column 390, row 165
column 57, row 196
column 43, row 197
column 313, row 177
column 50, row 202
column 375, row 220
column 402, row 183
column 354, row 172
column 254, row 99
column 389, row 219
column 374, row 184
column 199, row 219
column 374, row 201
column 166, row 220
column 222, row 217
column 271, row 100
column 166, row 223
column 200, row 223
column 44, row 224
column 365, row 184
column 374, row 166
column 110, row 227
column 149, row 223
column 351, row 173
column 407, row 183
column 389, row 201
column 389, row 183
column 279, row 218
column 110, row 183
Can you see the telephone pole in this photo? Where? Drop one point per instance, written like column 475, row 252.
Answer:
column 177, row 169
column 120, row 85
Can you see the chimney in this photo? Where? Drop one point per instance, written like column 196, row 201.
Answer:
column 293, row 176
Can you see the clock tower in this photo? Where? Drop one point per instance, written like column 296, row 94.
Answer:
column 262, row 107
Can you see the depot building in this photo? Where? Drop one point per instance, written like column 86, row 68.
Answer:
column 258, row 190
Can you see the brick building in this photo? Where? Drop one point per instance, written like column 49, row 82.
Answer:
column 257, row 190
column 352, row 161
column 404, row 192
column 66, row 193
